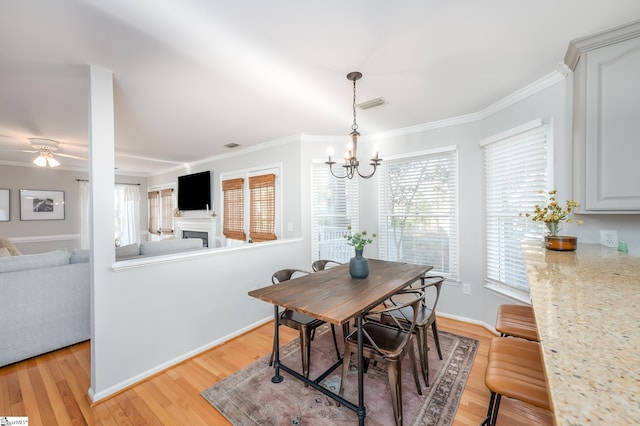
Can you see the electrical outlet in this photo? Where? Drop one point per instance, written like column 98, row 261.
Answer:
column 609, row 238
column 466, row 288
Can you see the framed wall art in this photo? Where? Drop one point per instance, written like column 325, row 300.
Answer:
column 5, row 207
column 41, row 205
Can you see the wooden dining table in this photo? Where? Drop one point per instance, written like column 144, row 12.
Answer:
column 333, row 296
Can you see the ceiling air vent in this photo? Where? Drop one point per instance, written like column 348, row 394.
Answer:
column 232, row 145
column 371, row 103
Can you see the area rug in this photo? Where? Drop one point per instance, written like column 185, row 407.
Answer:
column 248, row 397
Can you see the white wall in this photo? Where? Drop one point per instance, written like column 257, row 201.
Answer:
column 39, row 236
column 151, row 316
column 155, row 315
column 550, row 103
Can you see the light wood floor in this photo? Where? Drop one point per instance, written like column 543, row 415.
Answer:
column 52, row 389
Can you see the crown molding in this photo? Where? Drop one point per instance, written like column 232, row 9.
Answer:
column 595, row 41
column 547, row 81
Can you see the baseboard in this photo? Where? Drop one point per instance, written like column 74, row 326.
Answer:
column 135, row 380
column 483, row 324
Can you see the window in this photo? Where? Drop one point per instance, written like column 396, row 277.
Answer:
column 250, row 205
column 419, row 210
column 334, row 207
column 161, row 206
column 233, row 213
column 515, row 170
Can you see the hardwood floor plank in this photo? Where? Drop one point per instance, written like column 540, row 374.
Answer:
column 146, row 412
column 32, row 408
column 52, row 389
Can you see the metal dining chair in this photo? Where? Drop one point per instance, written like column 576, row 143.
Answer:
column 426, row 317
column 388, row 343
column 305, row 324
column 322, row 264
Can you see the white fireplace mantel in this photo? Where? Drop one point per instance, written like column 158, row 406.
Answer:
column 197, row 224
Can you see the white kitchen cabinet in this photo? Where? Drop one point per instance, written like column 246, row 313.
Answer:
column 606, row 120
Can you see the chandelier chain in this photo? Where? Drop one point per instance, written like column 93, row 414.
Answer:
column 354, row 126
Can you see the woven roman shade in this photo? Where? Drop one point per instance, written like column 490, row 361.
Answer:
column 166, row 201
column 154, row 204
column 233, row 223
column 262, row 190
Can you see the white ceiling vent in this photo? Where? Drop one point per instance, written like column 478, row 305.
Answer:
column 371, row 103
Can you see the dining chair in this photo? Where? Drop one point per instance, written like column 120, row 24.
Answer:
column 305, row 324
column 322, row 264
column 388, row 343
column 426, row 317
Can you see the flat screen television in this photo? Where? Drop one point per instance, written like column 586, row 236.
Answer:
column 194, row 191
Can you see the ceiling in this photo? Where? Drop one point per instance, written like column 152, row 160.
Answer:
column 193, row 75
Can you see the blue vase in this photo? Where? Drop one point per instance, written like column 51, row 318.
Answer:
column 359, row 266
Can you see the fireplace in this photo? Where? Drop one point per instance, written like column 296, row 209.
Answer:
column 197, row 227
column 197, row 234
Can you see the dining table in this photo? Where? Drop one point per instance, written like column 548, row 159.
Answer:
column 333, row 296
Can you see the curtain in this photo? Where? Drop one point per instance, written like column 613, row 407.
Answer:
column 129, row 215
column 85, row 236
column 262, row 193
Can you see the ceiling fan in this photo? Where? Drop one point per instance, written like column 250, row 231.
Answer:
column 46, row 150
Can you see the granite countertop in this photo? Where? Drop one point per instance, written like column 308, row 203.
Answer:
column 587, row 308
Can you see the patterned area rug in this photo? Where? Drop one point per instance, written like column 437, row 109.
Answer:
column 248, row 397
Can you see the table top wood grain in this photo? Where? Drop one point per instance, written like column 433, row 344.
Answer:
column 334, row 296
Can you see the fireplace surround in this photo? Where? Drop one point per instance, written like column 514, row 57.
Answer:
column 197, row 227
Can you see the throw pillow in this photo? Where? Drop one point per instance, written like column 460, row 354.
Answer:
column 128, row 251
column 79, row 256
column 13, row 250
column 4, row 252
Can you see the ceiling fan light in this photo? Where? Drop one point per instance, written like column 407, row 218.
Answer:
column 40, row 161
column 52, row 161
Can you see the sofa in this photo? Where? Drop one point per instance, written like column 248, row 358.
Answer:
column 157, row 248
column 45, row 296
column 45, row 304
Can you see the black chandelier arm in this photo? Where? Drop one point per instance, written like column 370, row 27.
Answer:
column 375, row 166
column 352, row 168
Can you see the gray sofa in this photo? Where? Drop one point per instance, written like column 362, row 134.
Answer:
column 157, row 248
column 45, row 304
column 45, row 301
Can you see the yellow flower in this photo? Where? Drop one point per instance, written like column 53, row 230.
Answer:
column 552, row 214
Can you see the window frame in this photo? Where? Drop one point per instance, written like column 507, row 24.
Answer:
column 159, row 189
column 502, row 264
column 341, row 251
column 453, row 253
column 246, row 175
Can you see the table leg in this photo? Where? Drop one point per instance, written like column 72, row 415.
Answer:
column 361, row 410
column 277, row 378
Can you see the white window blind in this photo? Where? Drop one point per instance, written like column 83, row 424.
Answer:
column 334, row 207
column 515, row 171
column 419, row 211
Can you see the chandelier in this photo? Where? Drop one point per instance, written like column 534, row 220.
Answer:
column 351, row 163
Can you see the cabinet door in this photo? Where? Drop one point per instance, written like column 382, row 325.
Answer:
column 612, row 128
